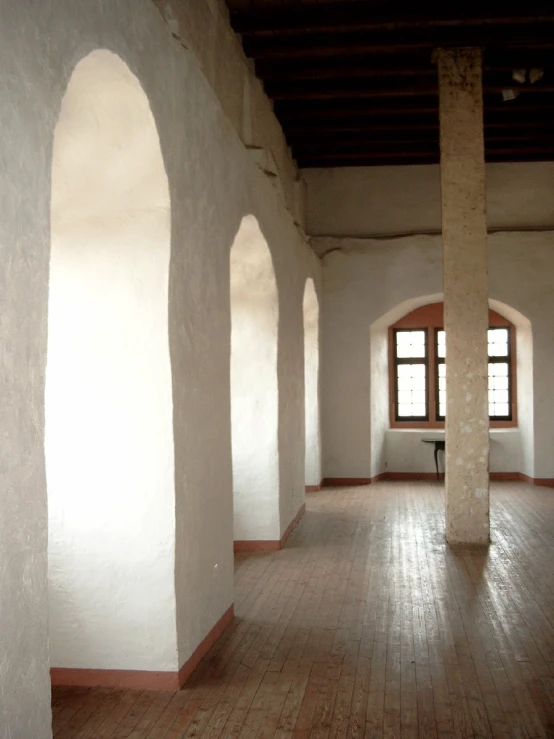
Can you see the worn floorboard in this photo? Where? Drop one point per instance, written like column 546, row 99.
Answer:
column 368, row 625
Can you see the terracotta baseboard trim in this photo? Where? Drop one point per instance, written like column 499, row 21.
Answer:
column 257, row 545
column 269, row 545
column 546, row 481
column 293, row 524
column 205, row 645
column 494, row 477
column 128, row 679
column 345, row 482
column 379, row 477
column 412, row 476
column 539, row 481
column 314, row 488
column 141, row 679
column 407, row 476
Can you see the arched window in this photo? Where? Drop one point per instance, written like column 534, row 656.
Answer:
column 418, row 371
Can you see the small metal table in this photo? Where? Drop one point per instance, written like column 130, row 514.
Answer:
column 440, row 446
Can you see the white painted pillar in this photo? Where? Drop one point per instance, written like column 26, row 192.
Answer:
column 464, row 234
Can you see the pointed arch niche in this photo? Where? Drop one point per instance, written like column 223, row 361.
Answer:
column 254, row 388
column 109, row 429
column 310, row 305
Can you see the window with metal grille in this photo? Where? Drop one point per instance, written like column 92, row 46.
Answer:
column 417, row 357
column 411, row 375
column 499, row 374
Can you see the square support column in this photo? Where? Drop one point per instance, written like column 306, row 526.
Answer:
column 464, row 236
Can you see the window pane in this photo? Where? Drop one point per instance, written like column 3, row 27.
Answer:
column 498, row 369
column 412, row 391
column 410, row 344
column 441, row 344
column 499, row 390
column 498, row 383
column 498, row 342
column 442, row 397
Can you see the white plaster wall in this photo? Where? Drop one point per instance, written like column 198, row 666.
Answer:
column 525, row 398
column 109, row 410
column 311, row 384
column 254, row 390
column 213, row 183
column 202, row 26
column 368, row 283
column 375, row 201
column 406, row 452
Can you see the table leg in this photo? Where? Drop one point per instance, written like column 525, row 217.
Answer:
column 437, row 460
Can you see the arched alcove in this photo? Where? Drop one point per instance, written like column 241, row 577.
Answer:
column 509, row 446
column 109, row 428
column 379, row 377
column 310, row 306
column 525, row 382
column 254, row 389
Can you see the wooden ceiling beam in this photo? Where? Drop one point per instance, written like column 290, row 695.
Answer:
column 394, row 41
column 410, row 160
column 344, row 17
column 319, row 110
column 346, row 127
column 338, row 142
column 344, row 92
column 404, row 65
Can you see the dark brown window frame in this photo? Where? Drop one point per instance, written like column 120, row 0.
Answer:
column 411, row 360
column 491, row 360
column 429, row 319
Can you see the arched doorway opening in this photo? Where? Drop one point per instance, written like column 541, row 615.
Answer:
column 254, row 388
column 109, row 427
column 310, row 306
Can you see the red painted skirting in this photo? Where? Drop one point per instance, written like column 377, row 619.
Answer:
column 345, row 482
column 498, row 476
column 257, row 545
column 269, row 545
column 378, row 478
column 133, row 679
column 292, row 525
column 141, row 679
column 205, row 645
column 314, row 488
column 547, row 481
column 412, row 476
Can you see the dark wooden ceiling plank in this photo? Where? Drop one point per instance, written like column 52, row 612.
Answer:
column 382, row 147
column 307, row 110
column 346, row 127
column 392, row 86
column 339, row 94
column 387, row 65
column 362, row 14
column 325, row 162
column 391, row 41
column 369, row 138
column 353, row 83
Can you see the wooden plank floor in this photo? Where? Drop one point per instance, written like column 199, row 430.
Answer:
column 368, row 625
